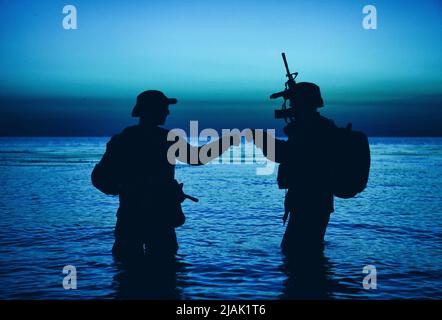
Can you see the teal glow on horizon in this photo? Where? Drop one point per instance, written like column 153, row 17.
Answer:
column 220, row 50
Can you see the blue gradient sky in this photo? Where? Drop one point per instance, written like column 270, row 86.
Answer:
column 216, row 51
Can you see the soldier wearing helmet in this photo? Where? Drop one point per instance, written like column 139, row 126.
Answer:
column 304, row 171
column 144, row 179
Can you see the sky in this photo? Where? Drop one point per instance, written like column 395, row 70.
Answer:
column 221, row 59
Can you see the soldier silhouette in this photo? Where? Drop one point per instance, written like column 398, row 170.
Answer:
column 135, row 166
column 305, row 170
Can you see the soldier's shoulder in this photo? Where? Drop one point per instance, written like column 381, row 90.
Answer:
column 130, row 130
column 130, row 133
column 124, row 135
column 133, row 133
column 327, row 123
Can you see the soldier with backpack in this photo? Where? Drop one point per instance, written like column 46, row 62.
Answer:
column 306, row 171
column 317, row 162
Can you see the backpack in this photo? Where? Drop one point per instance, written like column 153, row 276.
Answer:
column 351, row 165
column 105, row 173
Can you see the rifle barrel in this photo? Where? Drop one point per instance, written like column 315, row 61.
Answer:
column 191, row 198
column 286, row 66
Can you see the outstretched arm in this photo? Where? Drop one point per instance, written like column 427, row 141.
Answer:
column 204, row 154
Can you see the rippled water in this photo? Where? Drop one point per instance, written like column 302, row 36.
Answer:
column 51, row 216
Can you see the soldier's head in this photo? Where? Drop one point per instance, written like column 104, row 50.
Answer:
column 152, row 107
column 307, row 99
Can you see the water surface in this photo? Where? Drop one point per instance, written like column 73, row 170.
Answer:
column 51, row 216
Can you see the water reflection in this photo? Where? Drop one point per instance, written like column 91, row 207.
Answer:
column 150, row 279
column 307, row 277
column 310, row 276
